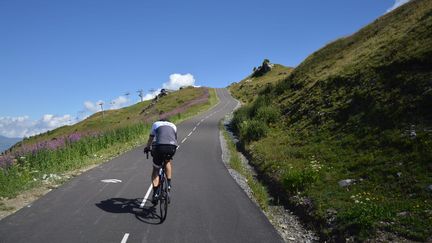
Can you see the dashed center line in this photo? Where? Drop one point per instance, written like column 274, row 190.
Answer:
column 184, row 139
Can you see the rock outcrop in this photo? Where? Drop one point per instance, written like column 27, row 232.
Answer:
column 263, row 69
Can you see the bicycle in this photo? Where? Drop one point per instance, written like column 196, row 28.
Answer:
column 163, row 192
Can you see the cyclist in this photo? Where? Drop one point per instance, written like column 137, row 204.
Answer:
column 163, row 139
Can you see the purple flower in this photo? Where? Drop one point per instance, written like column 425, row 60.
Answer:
column 54, row 144
column 74, row 137
column 6, row 161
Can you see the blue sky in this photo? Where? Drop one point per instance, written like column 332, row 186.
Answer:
column 59, row 58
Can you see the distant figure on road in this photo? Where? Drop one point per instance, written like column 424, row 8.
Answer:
column 163, row 142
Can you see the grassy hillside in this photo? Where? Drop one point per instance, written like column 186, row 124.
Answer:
column 35, row 161
column 134, row 114
column 359, row 109
column 248, row 88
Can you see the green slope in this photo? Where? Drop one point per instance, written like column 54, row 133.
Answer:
column 359, row 108
column 142, row 112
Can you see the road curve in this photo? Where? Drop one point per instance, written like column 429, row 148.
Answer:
column 207, row 204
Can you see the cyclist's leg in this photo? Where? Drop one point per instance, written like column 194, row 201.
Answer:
column 168, row 168
column 155, row 177
column 157, row 163
column 155, row 182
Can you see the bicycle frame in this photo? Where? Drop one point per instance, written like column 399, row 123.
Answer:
column 162, row 191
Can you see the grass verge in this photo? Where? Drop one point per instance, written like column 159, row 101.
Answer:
column 259, row 191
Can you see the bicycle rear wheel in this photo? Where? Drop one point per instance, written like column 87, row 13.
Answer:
column 163, row 200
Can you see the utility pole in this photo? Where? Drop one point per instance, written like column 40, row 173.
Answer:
column 101, row 105
column 141, row 94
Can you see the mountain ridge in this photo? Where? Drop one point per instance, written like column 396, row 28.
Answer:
column 6, row 142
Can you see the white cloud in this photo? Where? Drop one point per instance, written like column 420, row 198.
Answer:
column 150, row 96
column 397, row 4
column 175, row 81
column 119, row 102
column 178, row 80
column 93, row 106
column 23, row 126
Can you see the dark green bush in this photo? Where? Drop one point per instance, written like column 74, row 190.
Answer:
column 268, row 114
column 252, row 130
column 261, row 101
column 240, row 115
column 361, row 218
column 298, row 180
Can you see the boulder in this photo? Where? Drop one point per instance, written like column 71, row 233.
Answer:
column 346, row 182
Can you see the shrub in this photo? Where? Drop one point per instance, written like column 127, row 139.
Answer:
column 252, row 130
column 298, row 180
column 240, row 115
column 261, row 101
column 361, row 218
column 268, row 114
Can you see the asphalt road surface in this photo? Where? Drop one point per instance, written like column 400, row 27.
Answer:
column 207, row 205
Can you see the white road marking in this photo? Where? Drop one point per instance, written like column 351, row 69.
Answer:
column 199, row 123
column 193, row 130
column 184, row 139
column 189, row 134
column 125, row 237
column 146, row 196
column 111, row 181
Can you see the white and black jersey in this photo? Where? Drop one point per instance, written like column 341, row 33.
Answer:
column 165, row 133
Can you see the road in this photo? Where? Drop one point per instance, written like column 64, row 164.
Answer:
column 207, row 204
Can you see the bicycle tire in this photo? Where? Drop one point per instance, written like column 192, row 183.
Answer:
column 163, row 200
column 167, row 192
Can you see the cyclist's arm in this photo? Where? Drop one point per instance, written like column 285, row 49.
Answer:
column 152, row 135
column 150, row 140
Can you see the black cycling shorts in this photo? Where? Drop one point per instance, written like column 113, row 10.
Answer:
column 162, row 152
